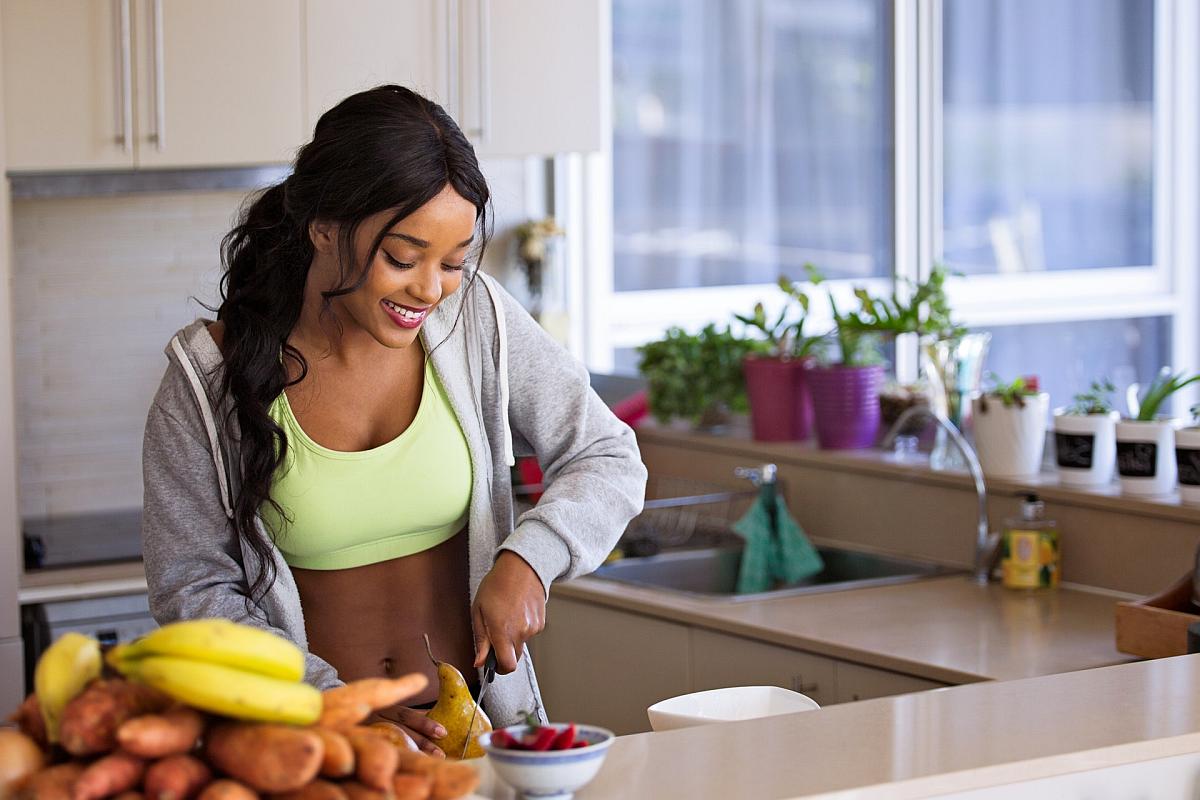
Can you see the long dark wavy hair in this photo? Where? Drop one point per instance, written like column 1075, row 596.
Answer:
column 384, row 149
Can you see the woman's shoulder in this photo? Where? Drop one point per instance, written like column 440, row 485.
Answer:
column 217, row 331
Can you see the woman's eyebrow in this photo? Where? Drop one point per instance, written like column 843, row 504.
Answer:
column 421, row 242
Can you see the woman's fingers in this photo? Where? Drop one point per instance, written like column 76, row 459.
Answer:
column 420, row 729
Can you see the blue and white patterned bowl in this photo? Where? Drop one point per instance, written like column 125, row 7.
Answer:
column 549, row 774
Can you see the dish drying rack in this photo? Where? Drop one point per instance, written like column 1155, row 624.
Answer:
column 680, row 512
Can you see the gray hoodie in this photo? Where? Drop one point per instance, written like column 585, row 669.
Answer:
column 514, row 391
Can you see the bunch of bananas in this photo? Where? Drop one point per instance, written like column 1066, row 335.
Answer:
column 67, row 666
column 223, row 667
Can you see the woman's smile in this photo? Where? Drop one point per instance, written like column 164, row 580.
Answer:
column 404, row 316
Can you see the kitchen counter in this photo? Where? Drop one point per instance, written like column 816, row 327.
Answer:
column 949, row 740
column 942, row 629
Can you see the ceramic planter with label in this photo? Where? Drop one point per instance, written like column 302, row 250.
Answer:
column 1010, row 439
column 1146, row 456
column 1187, row 461
column 1085, row 447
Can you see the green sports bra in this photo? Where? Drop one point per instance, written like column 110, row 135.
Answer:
column 350, row 509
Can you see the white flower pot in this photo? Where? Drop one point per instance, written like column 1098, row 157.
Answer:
column 1187, row 460
column 1085, row 447
column 1146, row 457
column 1010, row 439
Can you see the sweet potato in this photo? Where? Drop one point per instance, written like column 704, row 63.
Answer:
column 453, row 779
column 131, row 795
column 376, row 758
column 52, row 783
column 376, row 693
column 412, row 787
column 397, row 737
column 317, row 790
column 173, row 732
column 338, row 761
column 418, row 763
column 227, row 789
column 342, row 716
column 90, row 721
column 20, row 759
column 177, row 777
column 28, row 718
column 356, row 791
column 268, row 758
column 114, row 773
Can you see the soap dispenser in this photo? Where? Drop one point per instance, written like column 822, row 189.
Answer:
column 1031, row 552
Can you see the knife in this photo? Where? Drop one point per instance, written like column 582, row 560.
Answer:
column 489, row 675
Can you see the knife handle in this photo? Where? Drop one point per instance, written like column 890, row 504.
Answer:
column 489, row 667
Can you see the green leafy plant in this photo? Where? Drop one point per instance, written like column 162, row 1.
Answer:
column 1163, row 386
column 1010, row 393
column 691, row 375
column 1096, row 400
column 925, row 312
column 857, row 347
column 786, row 338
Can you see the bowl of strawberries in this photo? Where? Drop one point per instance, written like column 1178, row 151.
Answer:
column 549, row 762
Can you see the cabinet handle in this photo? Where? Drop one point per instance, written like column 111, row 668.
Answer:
column 485, row 58
column 159, row 137
column 125, row 137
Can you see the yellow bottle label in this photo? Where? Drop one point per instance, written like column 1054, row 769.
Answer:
column 1030, row 559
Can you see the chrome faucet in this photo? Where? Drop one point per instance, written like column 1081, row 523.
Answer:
column 986, row 542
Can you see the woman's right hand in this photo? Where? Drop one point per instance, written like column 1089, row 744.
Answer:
column 417, row 726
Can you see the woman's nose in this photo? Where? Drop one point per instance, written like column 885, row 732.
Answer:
column 427, row 284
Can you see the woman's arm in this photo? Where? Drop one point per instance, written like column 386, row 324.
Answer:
column 192, row 556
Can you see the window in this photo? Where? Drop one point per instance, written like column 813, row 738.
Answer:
column 1044, row 149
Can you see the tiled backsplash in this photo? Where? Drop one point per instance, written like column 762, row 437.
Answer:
column 100, row 284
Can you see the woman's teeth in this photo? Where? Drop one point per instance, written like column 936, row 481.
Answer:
column 404, row 312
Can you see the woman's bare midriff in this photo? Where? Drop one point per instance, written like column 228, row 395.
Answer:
column 368, row 621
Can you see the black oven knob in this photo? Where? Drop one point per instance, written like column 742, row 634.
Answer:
column 34, row 551
column 107, row 638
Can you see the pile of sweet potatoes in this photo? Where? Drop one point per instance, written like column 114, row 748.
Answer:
column 121, row 739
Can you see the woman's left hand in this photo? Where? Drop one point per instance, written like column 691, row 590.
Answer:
column 509, row 610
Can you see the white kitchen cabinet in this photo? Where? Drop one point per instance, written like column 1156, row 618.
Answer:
column 151, row 83
column 219, row 82
column 382, row 41
column 605, row 667
column 68, row 79
column 720, row 660
column 856, row 682
column 530, row 76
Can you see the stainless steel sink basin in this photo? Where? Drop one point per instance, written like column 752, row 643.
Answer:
column 712, row 573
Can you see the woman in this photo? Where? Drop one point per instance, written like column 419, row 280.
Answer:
column 331, row 458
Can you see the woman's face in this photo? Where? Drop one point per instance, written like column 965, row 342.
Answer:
column 418, row 264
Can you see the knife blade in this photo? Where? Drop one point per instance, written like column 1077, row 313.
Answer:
column 489, row 675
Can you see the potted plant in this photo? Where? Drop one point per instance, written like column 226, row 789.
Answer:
column 780, row 402
column 1187, row 459
column 697, row 377
column 845, row 392
column 1085, row 437
column 1010, row 428
column 1146, row 443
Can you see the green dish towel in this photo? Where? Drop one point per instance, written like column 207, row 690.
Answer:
column 776, row 548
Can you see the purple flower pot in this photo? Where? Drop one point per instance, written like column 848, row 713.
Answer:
column 780, row 403
column 846, row 405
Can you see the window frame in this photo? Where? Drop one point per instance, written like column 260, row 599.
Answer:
column 1169, row 287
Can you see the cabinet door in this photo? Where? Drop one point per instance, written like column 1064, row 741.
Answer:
column 530, row 75
column 377, row 42
column 68, row 84
column 720, row 660
column 606, row 667
column 856, row 682
column 219, row 82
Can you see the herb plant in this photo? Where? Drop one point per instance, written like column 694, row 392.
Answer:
column 858, row 347
column 786, row 338
column 1096, row 400
column 1163, row 386
column 1011, row 393
column 926, row 311
column 690, row 375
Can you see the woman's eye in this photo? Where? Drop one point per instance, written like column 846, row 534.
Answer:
column 455, row 267
column 399, row 264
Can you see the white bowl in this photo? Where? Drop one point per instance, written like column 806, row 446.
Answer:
column 726, row 705
column 549, row 774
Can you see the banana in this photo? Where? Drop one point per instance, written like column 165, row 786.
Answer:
column 227, row 690
column 67, row 666
column 219, row 641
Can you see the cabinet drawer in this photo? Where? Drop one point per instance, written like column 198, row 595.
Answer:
column 721, row 660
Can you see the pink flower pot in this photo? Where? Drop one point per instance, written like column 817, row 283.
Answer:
column 846, row 405
column 780, row 403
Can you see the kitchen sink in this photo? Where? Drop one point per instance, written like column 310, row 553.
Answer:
column 712, row 573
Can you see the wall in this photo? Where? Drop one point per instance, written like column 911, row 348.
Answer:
column 99, row 286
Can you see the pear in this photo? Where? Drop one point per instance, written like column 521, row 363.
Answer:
column 453, row 711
